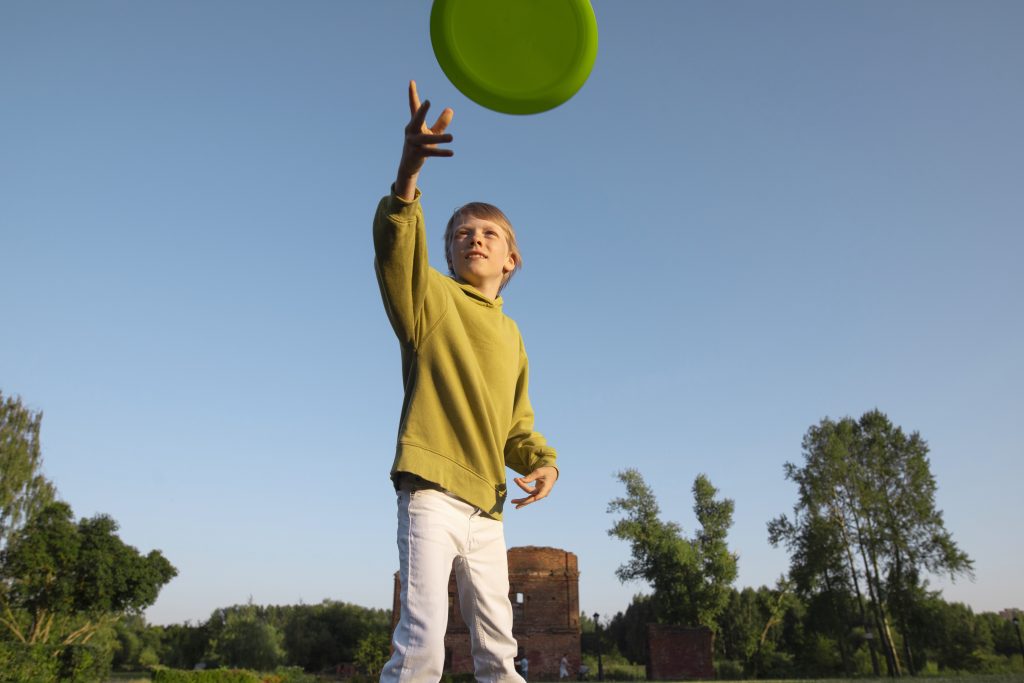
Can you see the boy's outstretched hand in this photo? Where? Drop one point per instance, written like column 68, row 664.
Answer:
column 420, row 142
column 543, row 480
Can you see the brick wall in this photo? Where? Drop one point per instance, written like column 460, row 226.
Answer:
column 675, row 653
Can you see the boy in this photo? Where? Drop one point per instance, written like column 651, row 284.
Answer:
column 465, row 417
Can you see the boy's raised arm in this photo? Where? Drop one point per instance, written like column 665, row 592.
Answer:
column 420, row 142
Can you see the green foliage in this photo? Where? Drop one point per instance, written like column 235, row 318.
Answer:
column 294, row 674
column 43, row 663
column 23, row 488
column 864, row 532
column 59, row 574
column 136, row 645
column 315, row 637
column 207, row 676
column 20, row 662
column 690, row 577
column 320, row 636
column 279, row 675
column 182, row 646
column 628, row 630
column 372, row 653
column 62, row 584
column 248, row 641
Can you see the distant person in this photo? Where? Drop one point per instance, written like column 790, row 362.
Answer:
column 563, row 667
column 465, row 418
column 524, row 667
column 582, row 674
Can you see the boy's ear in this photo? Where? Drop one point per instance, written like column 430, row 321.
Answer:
column 510, row 264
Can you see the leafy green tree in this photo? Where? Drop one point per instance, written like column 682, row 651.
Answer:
column 23, row 489
column 866, row 521
column 372, row 652
column 249, row 642
column 690, row 576
column 318, row 637
column 182, row 646
column 66, row 581
column 137, row 644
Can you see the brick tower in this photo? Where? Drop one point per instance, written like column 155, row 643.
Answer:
column 544, row 592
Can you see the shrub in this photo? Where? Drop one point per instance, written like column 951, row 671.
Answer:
column 207, row 676
column 52, row 663
column 728, row 670
column 291, row 674
column 294, row 674
column 26, row 663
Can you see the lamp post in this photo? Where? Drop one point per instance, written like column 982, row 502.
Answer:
column 597, row 635
column 1016, row 625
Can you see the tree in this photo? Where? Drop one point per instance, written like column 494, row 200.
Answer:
column 690, row 577
column 182, row 646
column 66, row 581
column 23, row 489
column 372, row 652
column 865, row 520
column 249, row 642
column 137, row 645
column 628, row 630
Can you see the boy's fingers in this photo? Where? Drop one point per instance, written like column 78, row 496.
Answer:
column 539, row 494
column 521, row 483
column 419, row 116
column 429, row 139
column 443, row 120
column 414, row 99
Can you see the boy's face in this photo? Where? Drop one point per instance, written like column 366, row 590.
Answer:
column 480, row 254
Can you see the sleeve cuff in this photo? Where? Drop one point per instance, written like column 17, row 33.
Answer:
column 396, row 206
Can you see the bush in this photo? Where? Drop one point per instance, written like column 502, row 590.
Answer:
column 291, row 674
column 52, row 663
column 207, row 676
column 728, row 670
column 26, row 663
column 294, row 674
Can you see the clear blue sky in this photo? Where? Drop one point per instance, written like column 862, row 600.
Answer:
column 752, row 216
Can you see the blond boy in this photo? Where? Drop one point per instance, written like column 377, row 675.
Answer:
column 465, row 418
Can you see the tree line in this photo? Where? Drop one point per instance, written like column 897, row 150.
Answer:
column 316, row 638
column 863, row 536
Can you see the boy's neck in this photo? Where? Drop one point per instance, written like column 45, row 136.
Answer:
column 490, row 289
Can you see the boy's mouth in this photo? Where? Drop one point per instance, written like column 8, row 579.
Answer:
column 475, row 254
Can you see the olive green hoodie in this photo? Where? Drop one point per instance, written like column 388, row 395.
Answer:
column 466, row 413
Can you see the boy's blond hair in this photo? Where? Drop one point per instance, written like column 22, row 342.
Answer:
column 487, row 212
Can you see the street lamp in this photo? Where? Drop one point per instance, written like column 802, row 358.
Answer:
column 597, row 635
column 1016, row 625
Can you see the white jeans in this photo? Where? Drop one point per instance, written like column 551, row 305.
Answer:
column 436, row 530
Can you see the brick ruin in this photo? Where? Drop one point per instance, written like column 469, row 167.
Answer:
column 544, row 592
column 676, row 653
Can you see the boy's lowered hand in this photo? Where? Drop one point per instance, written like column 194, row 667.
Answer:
column 543, row 480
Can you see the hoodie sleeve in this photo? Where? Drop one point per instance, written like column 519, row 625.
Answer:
column 525, row 449
column 403, row 270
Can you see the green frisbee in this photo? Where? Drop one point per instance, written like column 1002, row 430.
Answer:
column 515, row 56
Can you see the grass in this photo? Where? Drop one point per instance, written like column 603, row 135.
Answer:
column 638, row 671
column 134, row 677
